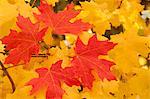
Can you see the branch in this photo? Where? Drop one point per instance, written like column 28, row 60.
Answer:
column 8, row 75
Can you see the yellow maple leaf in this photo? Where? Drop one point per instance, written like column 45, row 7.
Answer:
column 19, row 76
column 96, row 15
column 101, row 90
column 9, row 10
column 109, row 4
column 130, row 45
column 8, row 13
column 20, row 93
column 140, row 84
column 51, row 2
column 134, row 85
column 114, row 20
column 127, row 15
column 48, row 37
column 71, row 92
column 85, row 36
column 61, row 54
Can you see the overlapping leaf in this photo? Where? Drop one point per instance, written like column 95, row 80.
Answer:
column 102, row 14
column 52, row 79
column 60, row 22
column 10, row 10
column 86, row 60
column 25, row 43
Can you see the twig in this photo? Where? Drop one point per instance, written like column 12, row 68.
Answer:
column 9, row 77
column 81, row 88
column 2, row 53
column 40, row 55
column 33, row 3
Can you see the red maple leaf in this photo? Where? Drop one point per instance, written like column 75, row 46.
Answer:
column 60, row 22
column 86, row 60
column 25, row 43
column 52, row 80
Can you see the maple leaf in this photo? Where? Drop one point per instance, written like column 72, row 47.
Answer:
column 6, row 14
column 60, row 22
column 51, row 2
column 10, row 10
column 61, row 53
column 130, row 45
column 86, row 59
column 20, row 76
column 71, row 92
column 22, row 93
column 109, row 4
column 52, row 80
column 101, row 90
column 24, row 43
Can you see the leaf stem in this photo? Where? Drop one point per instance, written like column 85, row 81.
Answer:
column 9, row 77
